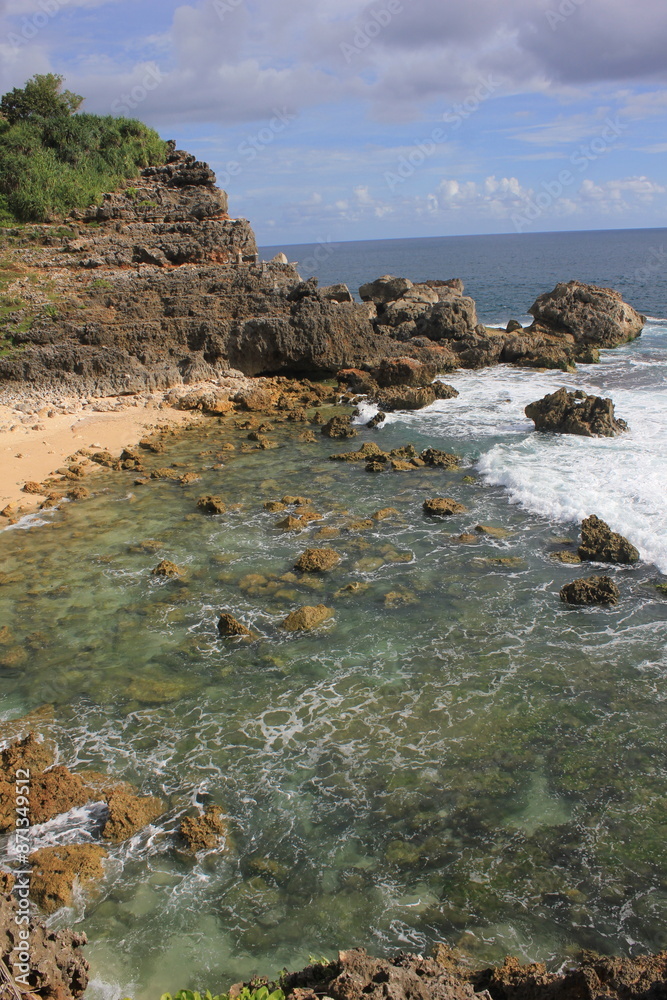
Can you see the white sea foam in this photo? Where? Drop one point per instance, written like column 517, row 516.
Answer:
column 565, row 477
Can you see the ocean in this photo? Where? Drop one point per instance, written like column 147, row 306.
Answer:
column 456, row 755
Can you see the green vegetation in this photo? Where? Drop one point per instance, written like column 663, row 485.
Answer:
column 256, row 993
column 53, row 161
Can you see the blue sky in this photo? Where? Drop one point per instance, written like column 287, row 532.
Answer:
column 343, row 120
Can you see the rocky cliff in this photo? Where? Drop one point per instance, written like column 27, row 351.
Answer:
column 158, row 286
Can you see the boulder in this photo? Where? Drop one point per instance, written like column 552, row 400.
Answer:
column 363, row 454
column 167, row 569
column 388, row 288
column 339, row 427
column 440, row 459
column 514, row 327
column 600, row 544
column 453, row 319
column 337, row 293
column 54, row 792
column 403, row 372
column 593, row 315
column 211, row 505
column 128, row 814
column 566, row 412
column 229, row 626
column 443, row 507
column 203, row 833
column 317, row 561
column 56, row 870
column 405, row 398
column 307, row 618
column 591, row 590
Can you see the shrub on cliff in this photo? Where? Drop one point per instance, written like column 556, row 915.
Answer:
column 53, row 160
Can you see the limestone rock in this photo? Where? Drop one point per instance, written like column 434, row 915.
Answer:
column 307, row 618
column 339, row 427
column 388, row 288
column 443, row 507
column 203, row 833
column 384, row 513
column 452, row 319
column 212, row 505
column 600, row 544
column 403, row 372
column 229, row 626
column 167, row 569
column 317, row 561
column 566, row 412
column 337, row 293
column 591, row 590
column 592, row 315
column 440, row 459
column 129, row 813
column 55, row 871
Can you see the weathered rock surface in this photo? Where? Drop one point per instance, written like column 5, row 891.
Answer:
column 592, row 315
column 167, row 569
column 307, row 618
column 566, row 412
column 203, row 833
column 600, row 544
column 443, row 507
column 129, row 813
column 317, row 561
column 591, row 590
column 229, row 626
column 413, row 397
column 339, row 427
column 56, row 870
column 58, row 969
column 211, row 505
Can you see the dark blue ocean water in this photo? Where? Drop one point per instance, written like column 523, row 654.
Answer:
column 503, row 273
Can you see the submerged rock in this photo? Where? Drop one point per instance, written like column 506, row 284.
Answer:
column 600, row 544
column 211, row 505
column 591, row 590
column 440, row 459
column 317, row 561
column 56, row 870
column 129, row 813
column 307, row 618
column 203, row 833
column 443, row 507
column 339, row 427
column 566, row 412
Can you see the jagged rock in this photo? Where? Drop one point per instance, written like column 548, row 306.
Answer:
column 405, row 398
column 566, row 556
column 337, row 293
column 491, row 531
column 167, row 569
column 385, row 289
column 566, row 412
column 440, row 459
column 339, row 427
column 203, row 833
column 367, row 451
column 454, row 318
column 514, row 326
column 57, row 969
column 443, row 507
column 403, row 372
column 378, row 419
column 591, row 590
column 600, row 544
column 54, row 792
column 211, row 505
column 229, row 626
column 30, row 753
column 307, row 618
column 592, row 315
column 56, row 870
column 129, row 813
column 384, row 513
column 317, row 561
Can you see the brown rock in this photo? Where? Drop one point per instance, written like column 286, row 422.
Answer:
column 339, row 427
column 440, row 459
column 229, row 626
column 363, row 454
column 307, row 618
column 600, row 544
column 566, row 412
column 491, row 531
column 128, row 814
column 317, row 561
column 591, row 590
column 54, row 792
column 167, row 569
column 203, row 833
column 211, row 505
column 443, row 507
column 32, row 487
column 382, row 515
column 55, row 871
column 592, row 315
column 566, row 556
column 274, row 506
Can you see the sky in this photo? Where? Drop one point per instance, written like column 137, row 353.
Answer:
column 332, row 120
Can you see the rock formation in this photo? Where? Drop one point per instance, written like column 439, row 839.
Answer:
column 591, row 590
column 566, row 412
column 591, row 315
column 600, row 544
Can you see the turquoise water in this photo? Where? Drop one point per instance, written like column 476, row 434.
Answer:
column 457, row 755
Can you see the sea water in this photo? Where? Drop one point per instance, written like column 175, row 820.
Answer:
column 455, row 756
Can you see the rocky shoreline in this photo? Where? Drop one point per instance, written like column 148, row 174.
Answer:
column 155, row 302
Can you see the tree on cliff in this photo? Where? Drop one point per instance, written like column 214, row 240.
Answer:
column 42, row 97
column 54, row 160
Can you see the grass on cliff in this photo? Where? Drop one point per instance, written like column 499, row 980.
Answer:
column 52, row 163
